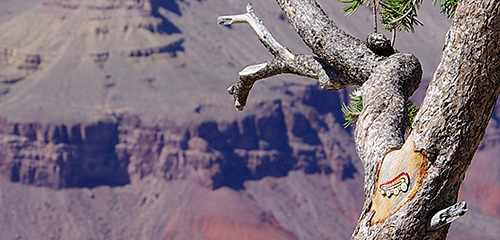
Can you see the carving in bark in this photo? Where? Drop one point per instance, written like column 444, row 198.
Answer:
column 451, row 122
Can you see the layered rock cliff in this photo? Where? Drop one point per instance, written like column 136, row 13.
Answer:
column 284, row 136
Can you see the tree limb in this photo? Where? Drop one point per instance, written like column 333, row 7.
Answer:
column 447, row 129
column 284, row 61
column 274, row 47
column 348, row 55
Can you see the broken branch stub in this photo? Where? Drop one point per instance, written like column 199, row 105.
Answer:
column 448, row 215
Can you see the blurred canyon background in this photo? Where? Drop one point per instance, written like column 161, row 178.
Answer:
column 115, row 123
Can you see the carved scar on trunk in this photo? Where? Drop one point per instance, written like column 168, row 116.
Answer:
column 400, row 177
column 395, row 186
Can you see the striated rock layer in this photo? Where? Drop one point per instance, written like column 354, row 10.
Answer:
column 118, row 110
column 285, row 136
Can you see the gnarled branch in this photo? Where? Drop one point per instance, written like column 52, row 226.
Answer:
column 284, row 61
column 348, row 55
column 303, row 65
column 260, row 29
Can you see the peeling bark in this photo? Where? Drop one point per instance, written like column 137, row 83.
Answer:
column 411, row 186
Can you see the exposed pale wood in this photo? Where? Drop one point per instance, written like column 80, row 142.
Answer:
column 398, row 161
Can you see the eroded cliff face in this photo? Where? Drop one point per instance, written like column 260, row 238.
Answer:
column 284, row 136
column 61, row 156
column 180, row 180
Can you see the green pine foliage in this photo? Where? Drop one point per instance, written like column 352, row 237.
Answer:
column 447, row 7
column 353, row 110
column 412, row 112
column 398, row 15
column 352, row 7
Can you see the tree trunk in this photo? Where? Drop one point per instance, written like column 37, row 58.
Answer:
column 446, row 132
column 411, row 186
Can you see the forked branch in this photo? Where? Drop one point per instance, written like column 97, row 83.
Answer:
column 284, row 61
column 261, row 30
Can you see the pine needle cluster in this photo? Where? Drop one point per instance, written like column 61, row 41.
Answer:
column 412, row 112
column 398, row 15
column 447, row 7
column 353, row 110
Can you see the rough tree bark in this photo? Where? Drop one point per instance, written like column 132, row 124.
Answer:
column 411, row 185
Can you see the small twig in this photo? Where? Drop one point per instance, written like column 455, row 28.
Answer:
column 260, row 29
column 448, row 215
column 375, row 23
column 393, row 37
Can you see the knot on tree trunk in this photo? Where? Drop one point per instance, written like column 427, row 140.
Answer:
column 379, row 44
